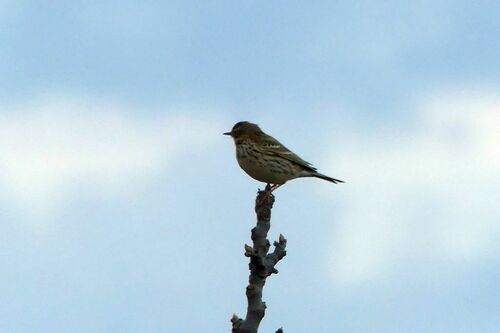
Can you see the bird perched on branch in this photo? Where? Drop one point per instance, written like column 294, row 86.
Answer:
column 265, row 159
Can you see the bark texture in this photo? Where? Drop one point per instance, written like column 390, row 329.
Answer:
column 262, row 265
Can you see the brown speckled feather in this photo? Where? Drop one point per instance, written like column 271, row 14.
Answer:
column 270, row 146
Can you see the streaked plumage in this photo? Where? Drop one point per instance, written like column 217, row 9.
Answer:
column 267, row 160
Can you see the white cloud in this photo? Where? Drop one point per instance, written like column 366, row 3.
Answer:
column 54, row 144
column 426, row 193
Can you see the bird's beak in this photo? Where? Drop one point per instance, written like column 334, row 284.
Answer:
column 227, row 133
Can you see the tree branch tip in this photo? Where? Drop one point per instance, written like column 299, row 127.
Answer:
column 265, row 197
column 235, row 318
column 282, row 238
column 266, row 189
column 249, row 251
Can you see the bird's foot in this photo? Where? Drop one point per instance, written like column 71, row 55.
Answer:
column 268, row 190
column 265, row 197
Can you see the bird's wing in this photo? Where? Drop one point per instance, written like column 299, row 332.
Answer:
column 271, row 146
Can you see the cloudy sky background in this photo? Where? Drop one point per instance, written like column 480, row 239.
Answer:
column 122, row 208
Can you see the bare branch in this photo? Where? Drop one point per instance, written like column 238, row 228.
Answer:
column 262, row 264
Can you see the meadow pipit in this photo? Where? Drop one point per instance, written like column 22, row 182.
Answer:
column 265, row 159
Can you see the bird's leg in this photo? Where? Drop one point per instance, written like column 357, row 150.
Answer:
column 269, row 189
column 274, row 187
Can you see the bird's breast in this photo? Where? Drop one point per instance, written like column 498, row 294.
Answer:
column 262, row 167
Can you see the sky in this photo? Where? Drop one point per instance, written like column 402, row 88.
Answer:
column 122, row 207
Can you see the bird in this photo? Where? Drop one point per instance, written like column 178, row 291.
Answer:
column 267, row 160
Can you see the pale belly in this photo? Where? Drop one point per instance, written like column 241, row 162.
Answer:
column 266, row 172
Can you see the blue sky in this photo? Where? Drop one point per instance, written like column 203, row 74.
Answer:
column 122, row 208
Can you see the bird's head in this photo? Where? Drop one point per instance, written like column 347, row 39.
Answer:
column 243, row 129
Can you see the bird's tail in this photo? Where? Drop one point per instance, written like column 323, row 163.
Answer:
column 322, row 176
